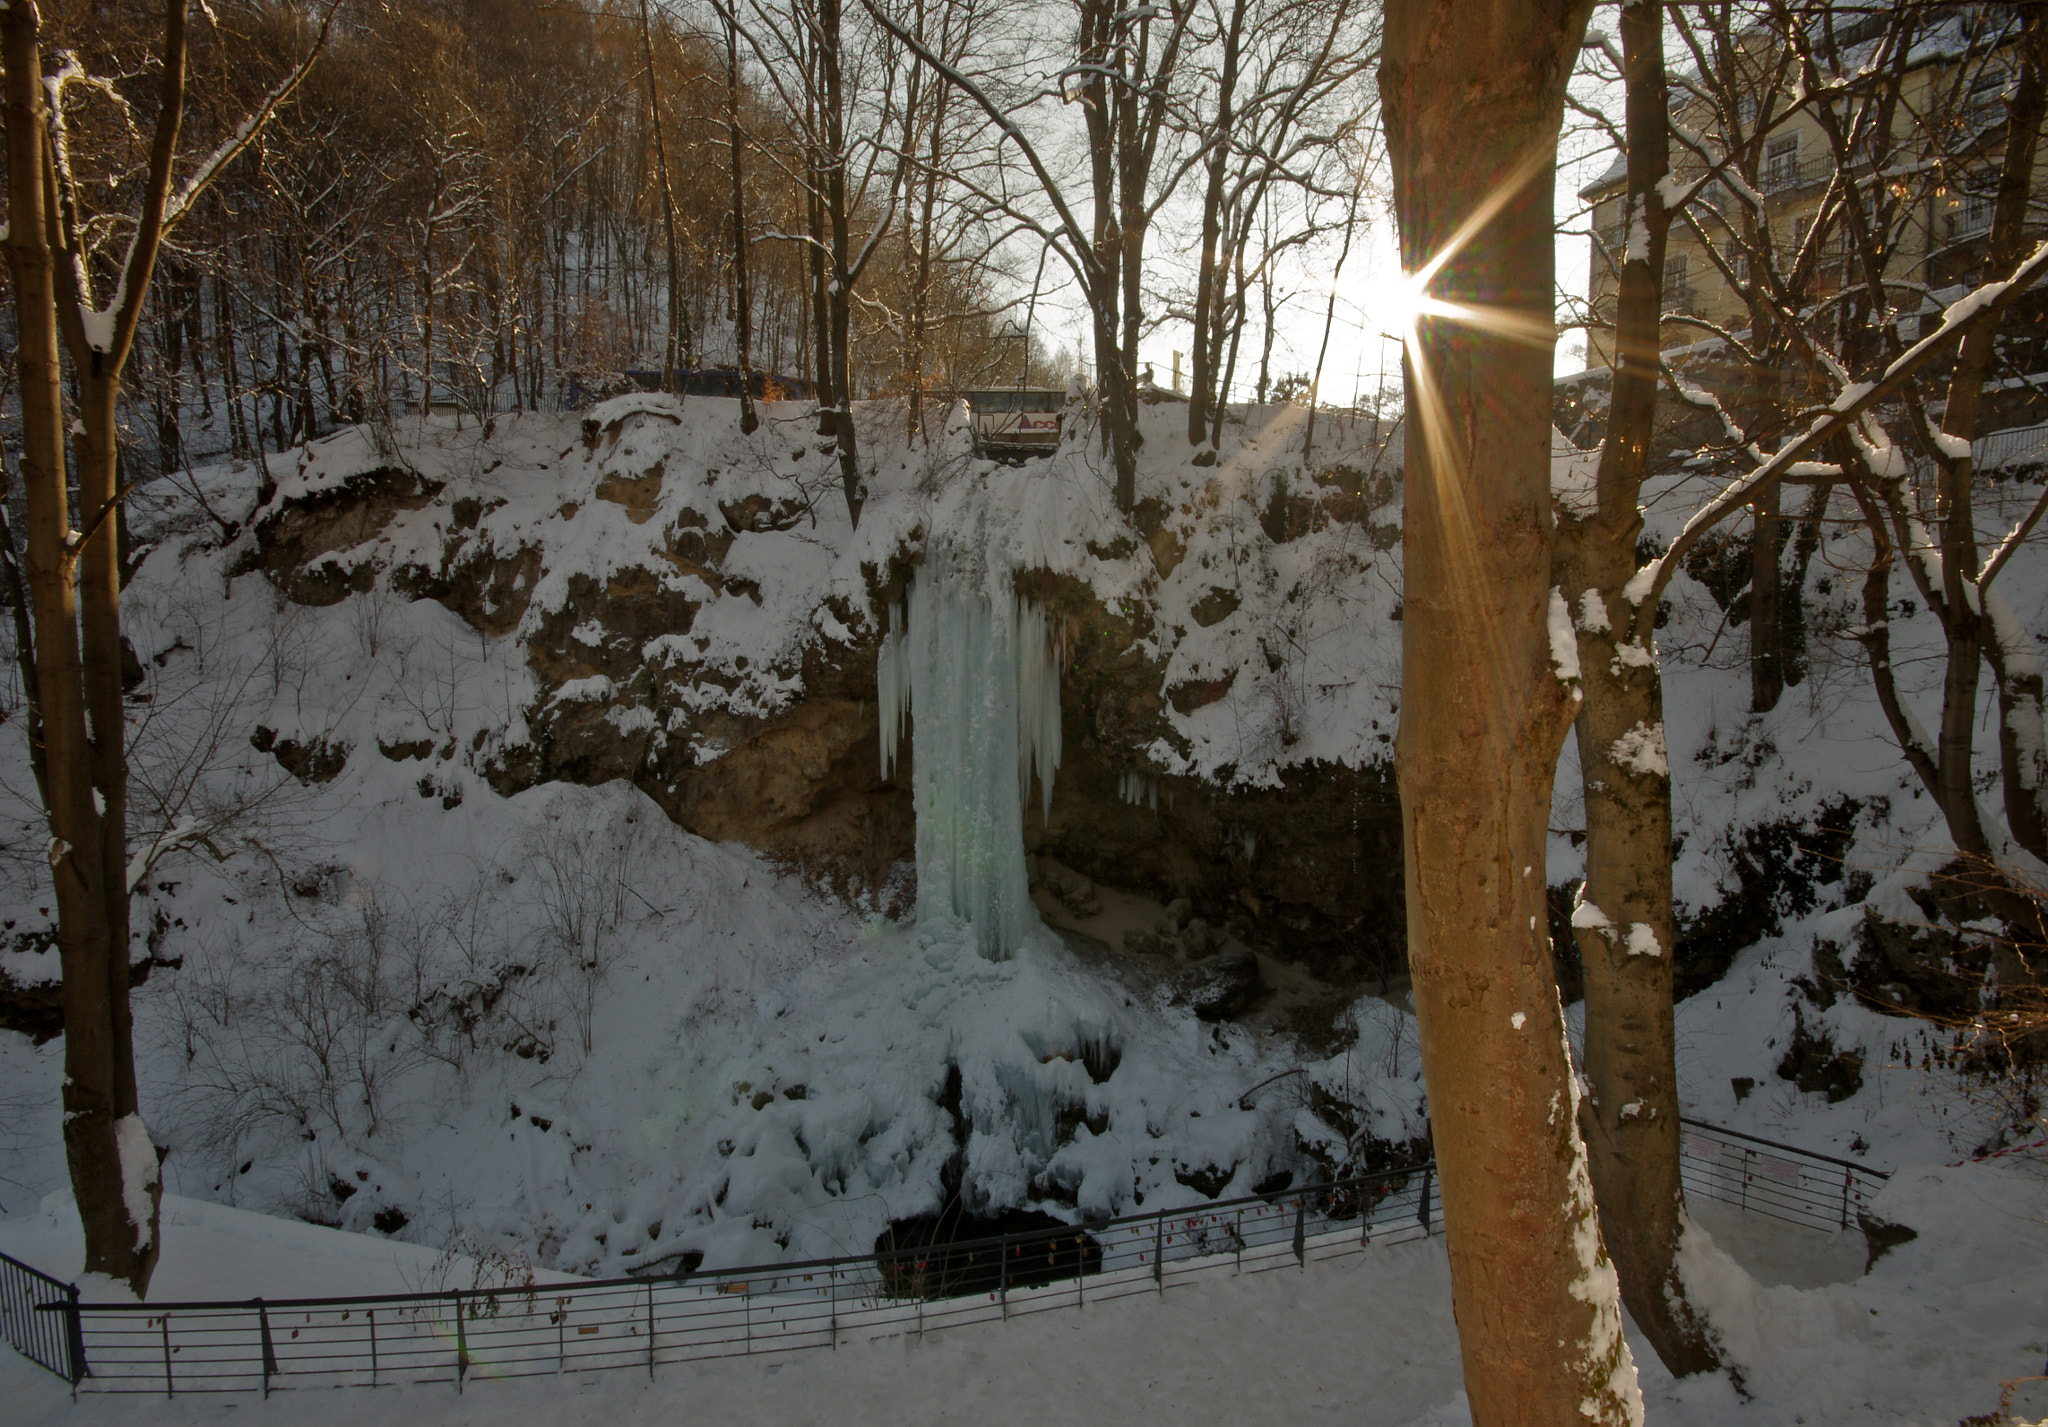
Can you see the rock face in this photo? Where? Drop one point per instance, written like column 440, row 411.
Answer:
column 777, row 744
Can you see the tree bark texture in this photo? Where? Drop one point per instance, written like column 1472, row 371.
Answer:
column 99, row 1072
column 1473, row 95
column 743, row 297
column 1624, row 925
column 673, row 350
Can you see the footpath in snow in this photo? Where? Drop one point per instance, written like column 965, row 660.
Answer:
column 1926, row 1337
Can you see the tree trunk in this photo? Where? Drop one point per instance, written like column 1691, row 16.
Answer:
column 2010, row 650
column 1766, row 626
column 743, row 297
column 839, row 294
column 99, row 1079
column 1474, row 96
column 1624, row 926
column 672, row 349
column 1202, row 378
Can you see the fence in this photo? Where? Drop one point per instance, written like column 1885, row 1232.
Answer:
column 643, row 1323
column 39, row 1316
column 1796, row 1186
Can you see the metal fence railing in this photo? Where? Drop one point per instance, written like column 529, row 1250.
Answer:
column 453, row 1335
column 39, row 1317
column 643, row 1323
column 1782, row 1182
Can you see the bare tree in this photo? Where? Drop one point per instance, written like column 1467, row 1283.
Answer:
column 60, row 271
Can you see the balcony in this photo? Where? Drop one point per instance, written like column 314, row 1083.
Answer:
column 1784, row 175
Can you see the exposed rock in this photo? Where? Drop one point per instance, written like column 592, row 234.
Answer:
column 1220, row 987
column 1075, row 892
column 485, row 587
column 1881, row 1236
column 1216, row 606
column 638, row 494
column 760, row 512
column 292, row 536
column 1813, row 1064
column 316, row 761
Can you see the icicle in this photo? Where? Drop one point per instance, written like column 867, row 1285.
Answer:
column 985, row 680
column 892, row 687
column 1140, row 790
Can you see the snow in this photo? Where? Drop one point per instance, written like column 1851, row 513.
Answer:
column 1593, row 614
column 1564, row 644
column 1574, row 476
column 1925, row 1338
column 1956, row 448
column 1642, row 940
column 1641, row 751
column 770, row 1084
column 1615, row 1397
column 1587, row 917
column 139, row 1176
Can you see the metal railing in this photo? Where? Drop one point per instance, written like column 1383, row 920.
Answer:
column 643, row 1323
column 524, row 1330
column 1816, row 1191
column 39, row 1317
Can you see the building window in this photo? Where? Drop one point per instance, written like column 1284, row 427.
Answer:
column 1677, row 282
column 1737, row 258
column 1781, row 162
column 1973, row 216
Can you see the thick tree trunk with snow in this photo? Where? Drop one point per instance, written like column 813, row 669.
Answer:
column 1624, row 925
column 1473, row 95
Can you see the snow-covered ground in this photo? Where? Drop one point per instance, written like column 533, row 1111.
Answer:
column 555, row 1027
column 1926, row 1338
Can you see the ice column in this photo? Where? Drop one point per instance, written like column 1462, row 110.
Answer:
column 984, row 672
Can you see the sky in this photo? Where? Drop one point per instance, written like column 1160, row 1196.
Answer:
column 1370, row 296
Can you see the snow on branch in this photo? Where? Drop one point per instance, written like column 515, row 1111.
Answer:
column 245, row 132
column 1839, row 416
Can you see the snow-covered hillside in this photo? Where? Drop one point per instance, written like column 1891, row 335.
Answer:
column 430, row 955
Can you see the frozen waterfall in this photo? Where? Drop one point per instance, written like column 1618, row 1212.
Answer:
column 984, row 672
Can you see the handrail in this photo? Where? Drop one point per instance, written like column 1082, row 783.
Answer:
column 1784, row 1148
column 779, row 1270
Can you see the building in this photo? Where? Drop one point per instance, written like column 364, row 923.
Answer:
column 1937, row 152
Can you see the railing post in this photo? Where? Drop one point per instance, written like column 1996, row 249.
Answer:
column 269, row 1352
column 75, row 1335
column 1003, row 1277
column 165, row 1324
column 1848, row 1183
column 1159, row 1252
column 650, row 1330
column 832, row 1278
column 1301, row 1230
column 1237, row 1242
column 372, row 1315
column 1422, row 1214
column 461, row 1344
